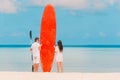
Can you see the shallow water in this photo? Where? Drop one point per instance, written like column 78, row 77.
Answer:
column 76, row 59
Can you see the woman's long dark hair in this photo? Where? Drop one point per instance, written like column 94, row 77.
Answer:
column 60, row 46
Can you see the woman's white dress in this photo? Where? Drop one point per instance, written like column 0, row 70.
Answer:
column 59, row 55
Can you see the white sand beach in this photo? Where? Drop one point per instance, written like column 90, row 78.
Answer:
column 58, row 76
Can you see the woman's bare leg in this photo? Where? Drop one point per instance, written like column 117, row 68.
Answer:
column 58, row 67
column 61, row 66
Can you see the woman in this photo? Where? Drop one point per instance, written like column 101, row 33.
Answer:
column 59, row 56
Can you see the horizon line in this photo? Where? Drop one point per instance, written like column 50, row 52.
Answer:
column 92, row 46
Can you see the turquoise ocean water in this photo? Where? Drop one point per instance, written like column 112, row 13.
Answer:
column 76, row 59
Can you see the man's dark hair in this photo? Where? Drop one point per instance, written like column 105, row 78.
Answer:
column 36, row 39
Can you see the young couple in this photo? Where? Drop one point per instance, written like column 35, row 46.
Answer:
column 36, row 47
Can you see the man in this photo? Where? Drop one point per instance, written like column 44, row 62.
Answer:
column 35, row 48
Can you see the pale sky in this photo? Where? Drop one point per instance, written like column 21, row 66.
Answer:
column 79, row 22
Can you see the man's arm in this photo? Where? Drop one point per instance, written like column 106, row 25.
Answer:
column 30, row 49
column 39, row 47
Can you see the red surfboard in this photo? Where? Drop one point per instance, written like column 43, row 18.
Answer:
column 48, row 38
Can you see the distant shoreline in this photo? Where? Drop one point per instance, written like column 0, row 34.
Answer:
column 82, row 46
